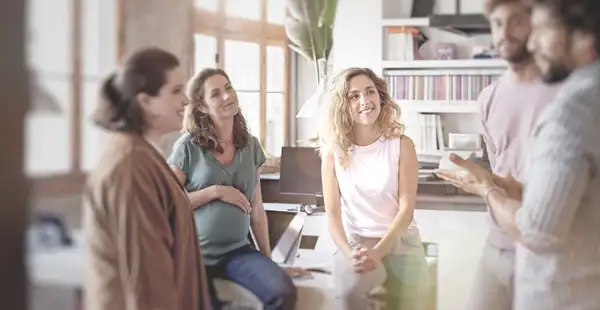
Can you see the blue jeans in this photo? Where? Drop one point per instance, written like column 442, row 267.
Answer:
column 260, row 275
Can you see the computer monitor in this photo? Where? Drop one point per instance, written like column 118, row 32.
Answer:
column 300, row 172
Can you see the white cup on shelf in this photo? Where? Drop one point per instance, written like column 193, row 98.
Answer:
column 464, row 141
column 447, row 164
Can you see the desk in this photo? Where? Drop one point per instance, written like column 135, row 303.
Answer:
column 270, row 193
column 315, row 292
column 64, row 267
column 60, row 269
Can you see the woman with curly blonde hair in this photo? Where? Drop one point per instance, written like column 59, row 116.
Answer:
column 370, row 179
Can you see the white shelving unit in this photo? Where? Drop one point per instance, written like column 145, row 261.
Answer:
column 438, row 106
column 459, row 70
column 406, row 22
column 434, row 68
column 446, row 64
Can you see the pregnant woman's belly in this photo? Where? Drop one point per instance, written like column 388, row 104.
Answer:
column 221, row 225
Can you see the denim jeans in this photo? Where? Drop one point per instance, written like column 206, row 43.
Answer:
column 259, row 274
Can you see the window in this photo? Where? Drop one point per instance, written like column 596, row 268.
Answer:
column 247, row 39
column 249, row 9
column 242, row 64
column 208, row 5
column 205, row 52
column 276, row 12
column 275, row 99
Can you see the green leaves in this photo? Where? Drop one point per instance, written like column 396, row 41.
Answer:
column 309, row 27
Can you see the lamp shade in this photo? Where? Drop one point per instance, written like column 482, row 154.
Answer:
column 314, row 105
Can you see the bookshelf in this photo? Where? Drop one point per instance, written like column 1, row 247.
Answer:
column 437, row 96
column 405, row 22
column 452, row 88
column 446, row 64
column 438, row 106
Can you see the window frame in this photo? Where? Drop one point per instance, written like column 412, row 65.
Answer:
column 71, row 182
column 205, row 22
column 223, row 27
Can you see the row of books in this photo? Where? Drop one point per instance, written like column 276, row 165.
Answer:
column 428, row 135
column 439, row 87
column 401, row 43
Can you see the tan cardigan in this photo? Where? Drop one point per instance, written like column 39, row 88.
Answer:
column 142, row 244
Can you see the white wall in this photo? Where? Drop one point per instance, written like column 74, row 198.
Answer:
column 358, row 41
column 305, row 85
column 357, row 35
column 50, row 56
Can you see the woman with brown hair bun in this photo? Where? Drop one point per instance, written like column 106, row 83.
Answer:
column 142, row 247
column 218, row 161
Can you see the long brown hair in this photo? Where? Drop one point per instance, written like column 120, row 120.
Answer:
column 199, row 124
column 336, row 123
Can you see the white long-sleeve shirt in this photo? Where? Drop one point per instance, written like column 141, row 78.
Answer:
column 558, row 260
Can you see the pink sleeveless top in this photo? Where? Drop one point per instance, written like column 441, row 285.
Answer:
column 369, row 188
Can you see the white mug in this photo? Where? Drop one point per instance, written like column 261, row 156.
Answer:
column 447, row 164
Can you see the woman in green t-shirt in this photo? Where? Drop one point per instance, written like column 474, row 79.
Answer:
column 218, row 161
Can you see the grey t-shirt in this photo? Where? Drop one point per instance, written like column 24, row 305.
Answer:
column 222, row 227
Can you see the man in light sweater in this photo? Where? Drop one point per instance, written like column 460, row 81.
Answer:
column 555, row 217
column 508, row 110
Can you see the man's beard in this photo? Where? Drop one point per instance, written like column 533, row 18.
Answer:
column 519, row 56
column 557, row 72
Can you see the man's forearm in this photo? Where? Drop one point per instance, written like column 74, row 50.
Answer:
column 504, row 209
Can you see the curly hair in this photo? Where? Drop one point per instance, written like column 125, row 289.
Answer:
column 576, row 15
column 337, row 122
column 199, row 124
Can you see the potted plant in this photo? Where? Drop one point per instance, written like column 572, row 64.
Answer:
column 309, row 29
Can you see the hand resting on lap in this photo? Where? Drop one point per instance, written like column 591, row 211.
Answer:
column 364, row 259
